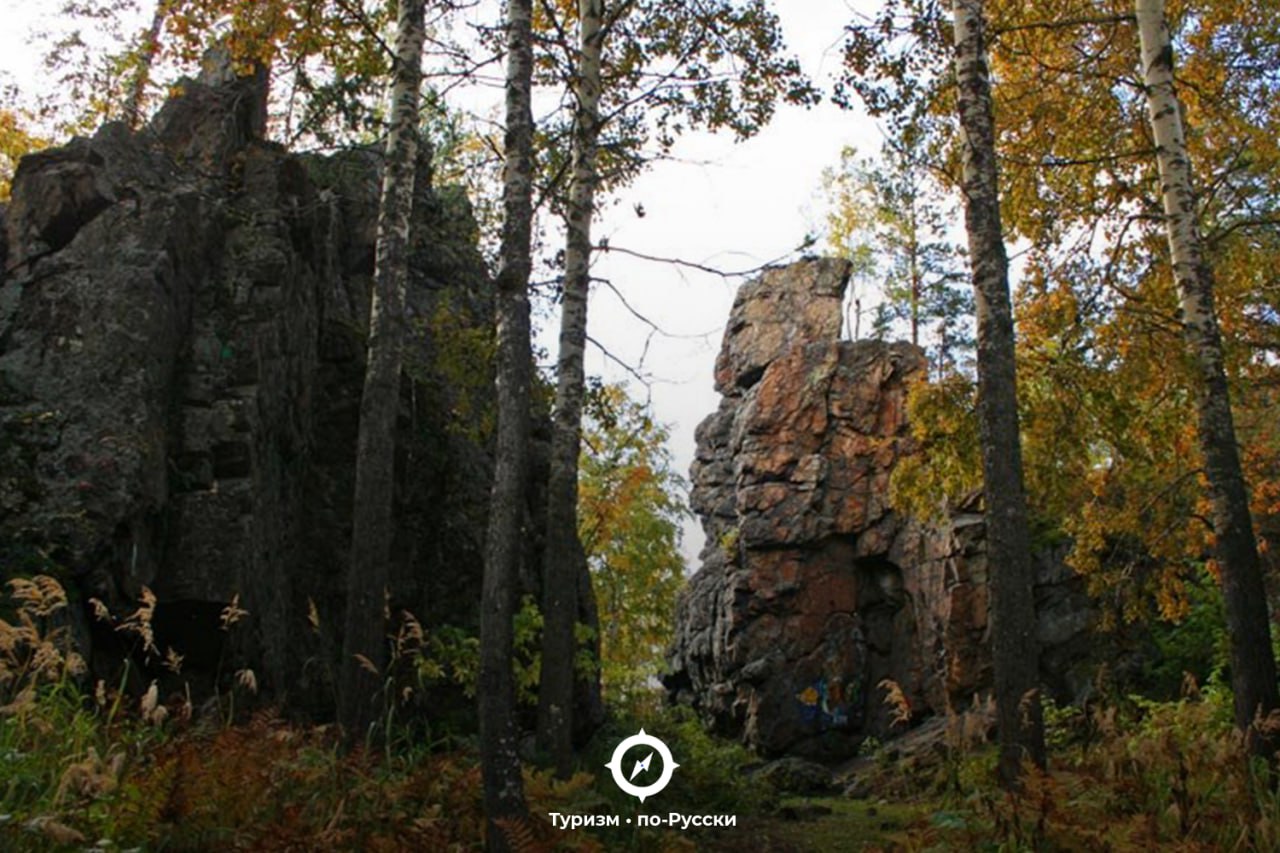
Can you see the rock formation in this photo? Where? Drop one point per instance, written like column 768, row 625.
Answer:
column 182, row 322
column 813, row 591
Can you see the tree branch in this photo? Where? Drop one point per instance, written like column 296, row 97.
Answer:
column 646, row 381
column 1219, row 234
column 362, row 20
column 1061, row 162
column 679, row 262
column 1066, row 23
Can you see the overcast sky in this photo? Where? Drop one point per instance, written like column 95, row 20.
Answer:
column 729, row 205
column 719, row 203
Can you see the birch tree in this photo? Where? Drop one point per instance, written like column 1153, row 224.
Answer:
column 1253, row 670
column 1015, row 655
column 326, row 59
column 564, row 556
column 364, row 642
column 147, row 50
column 503, row 785
column 640, row 71
column 1110, row 433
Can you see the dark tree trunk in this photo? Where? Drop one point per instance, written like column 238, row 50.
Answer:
column 503, row 785
column 1253, row 669
column 1013, row 631
column 360, row 693
column 588, row 704
column 564, row 564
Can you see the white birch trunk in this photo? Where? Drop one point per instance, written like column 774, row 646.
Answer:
column 564, row 551
column 1253, row 672
column 360, row 691
column 500, row 762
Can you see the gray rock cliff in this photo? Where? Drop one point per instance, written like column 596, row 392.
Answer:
column 182, row 322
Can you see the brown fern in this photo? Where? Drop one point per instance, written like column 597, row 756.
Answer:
column 519, row 835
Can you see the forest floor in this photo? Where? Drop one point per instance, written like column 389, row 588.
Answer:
column 1148, row 776
column 99, row 770
column 834, row 823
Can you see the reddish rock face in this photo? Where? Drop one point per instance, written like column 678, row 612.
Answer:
column 813, row 591
column 785, row 306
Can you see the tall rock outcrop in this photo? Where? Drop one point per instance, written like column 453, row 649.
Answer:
column 813, row 591
column 182, row 323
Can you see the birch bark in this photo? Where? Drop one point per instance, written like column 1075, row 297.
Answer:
column 564, row 558
column 1253, row 669
column 500, row 762
column 360, row 693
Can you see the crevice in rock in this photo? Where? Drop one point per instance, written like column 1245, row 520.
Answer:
column 181, row 390
column 785, row 637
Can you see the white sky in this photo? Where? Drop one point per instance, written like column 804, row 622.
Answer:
column 723, row 204
column 728, row 205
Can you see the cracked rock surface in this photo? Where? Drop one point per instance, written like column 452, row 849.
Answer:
column 813, row 591
column 182, row 319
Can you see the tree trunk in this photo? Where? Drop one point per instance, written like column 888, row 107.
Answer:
column 364, row 648
column 1013, row 630
column 503, row 785
column 588, row 699
column 146, row 58
column 1253, row 669
column 563, row 563
column 915, row 278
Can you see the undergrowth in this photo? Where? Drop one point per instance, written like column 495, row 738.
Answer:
column 92, row 769
column 1132, row 775
column 88, row 768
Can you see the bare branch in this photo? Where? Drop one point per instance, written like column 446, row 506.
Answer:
column 362, row 19
column 679, row 262
column 644, row 380
column 1216, row 236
